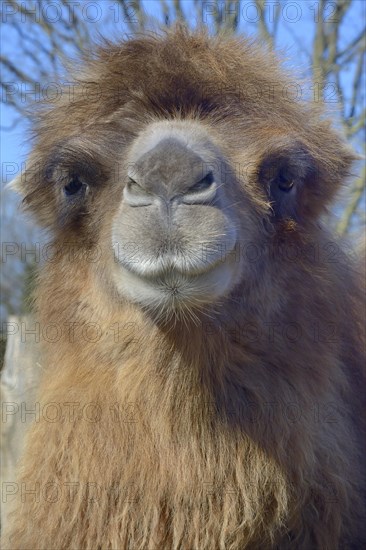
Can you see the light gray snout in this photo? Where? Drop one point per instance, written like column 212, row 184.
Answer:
column 169, row 173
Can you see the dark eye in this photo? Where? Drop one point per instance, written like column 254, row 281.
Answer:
column 204, row 183
column 285, row 182
column 74, row 186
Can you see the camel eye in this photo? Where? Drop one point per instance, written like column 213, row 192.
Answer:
column 204, row 183
column 74, row 186
column 285, row 182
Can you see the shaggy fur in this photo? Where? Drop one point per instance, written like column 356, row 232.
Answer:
column 239, row 425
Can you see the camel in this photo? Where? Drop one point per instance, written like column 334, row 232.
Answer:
column 207, row 377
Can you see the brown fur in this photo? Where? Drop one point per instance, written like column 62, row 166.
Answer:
column 222, row 431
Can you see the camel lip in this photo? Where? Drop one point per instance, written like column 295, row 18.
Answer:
column 175, row 289
column 173, row 268
column 170, row 276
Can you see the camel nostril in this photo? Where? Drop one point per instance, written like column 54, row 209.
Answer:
column 202, row 192
column 203, row 184
column 135, row 195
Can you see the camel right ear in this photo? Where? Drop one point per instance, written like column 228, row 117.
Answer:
column 37, row 197
column 26, row 179
column 16, row 184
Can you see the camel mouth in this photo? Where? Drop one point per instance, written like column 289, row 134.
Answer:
column 172, row 288
column 171, row 266
column 169, row 276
